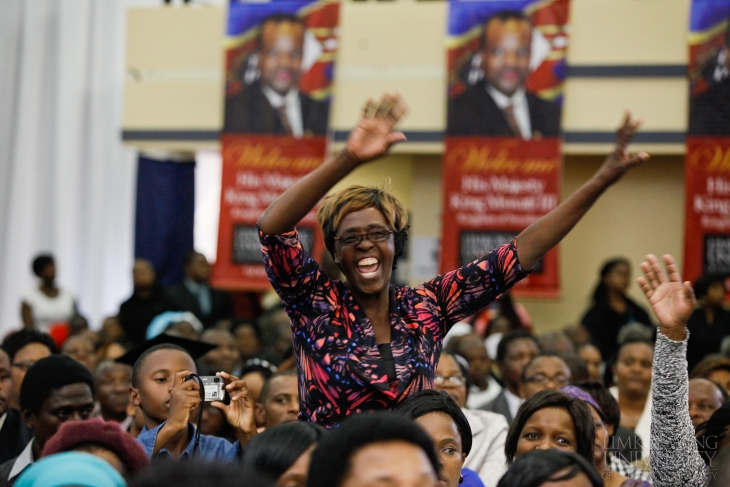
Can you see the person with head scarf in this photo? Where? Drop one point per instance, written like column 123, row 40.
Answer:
column 71, row 469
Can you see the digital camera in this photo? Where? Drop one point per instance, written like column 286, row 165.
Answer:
column 214, row 389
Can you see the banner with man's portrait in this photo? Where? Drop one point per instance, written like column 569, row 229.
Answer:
column 279, row 66
column 502, row 163
column 707, row 167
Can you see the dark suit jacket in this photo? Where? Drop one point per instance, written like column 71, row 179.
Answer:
column 475, row 113
column 179, row 298
column 499, row 405
column 709, row 113
column 14, row 436
column 249, row 111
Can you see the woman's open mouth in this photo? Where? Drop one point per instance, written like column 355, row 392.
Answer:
column 368, row 267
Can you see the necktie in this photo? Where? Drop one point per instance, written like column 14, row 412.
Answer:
column 509, row 114
column 284, row 119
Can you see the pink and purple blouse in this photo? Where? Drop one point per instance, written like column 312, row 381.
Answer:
column 339, row 364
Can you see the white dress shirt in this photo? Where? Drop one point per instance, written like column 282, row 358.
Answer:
column 293, row 108
column 24, row 459
column 478, row 398
column 519, row 108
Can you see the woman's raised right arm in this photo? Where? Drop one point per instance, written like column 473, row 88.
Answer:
column 371, row 139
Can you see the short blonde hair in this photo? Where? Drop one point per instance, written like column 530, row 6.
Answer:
column 337, row 206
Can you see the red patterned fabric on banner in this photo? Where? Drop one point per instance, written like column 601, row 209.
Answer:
column 707, row 213
column 494, row 189
column 256, row 170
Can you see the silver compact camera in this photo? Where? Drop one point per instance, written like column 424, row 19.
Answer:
column 214, row 389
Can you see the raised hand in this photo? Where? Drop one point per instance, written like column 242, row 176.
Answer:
column 374, row 134
column 671, row 299
column 184, row 398
column 240, row 412
column 620, row 161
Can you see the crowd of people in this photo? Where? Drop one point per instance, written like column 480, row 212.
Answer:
column 352, row 381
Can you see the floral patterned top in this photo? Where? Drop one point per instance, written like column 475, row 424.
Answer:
column 339, row 364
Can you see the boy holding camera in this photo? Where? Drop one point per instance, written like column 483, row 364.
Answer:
column 167, row 397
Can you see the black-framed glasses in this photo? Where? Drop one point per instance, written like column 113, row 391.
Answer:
column 451, row 380
column 356, row 238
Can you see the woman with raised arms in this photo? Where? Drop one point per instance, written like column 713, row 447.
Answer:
column 364, row 344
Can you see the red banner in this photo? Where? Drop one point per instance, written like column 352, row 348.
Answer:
column 256, row 170
column 493, row 189
column 707, row 213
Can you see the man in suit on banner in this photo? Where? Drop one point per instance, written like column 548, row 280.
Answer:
column 709, row 112
column 273, row 104
column 499, row 105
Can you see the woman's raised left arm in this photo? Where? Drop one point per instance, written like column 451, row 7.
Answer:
column 545, row 233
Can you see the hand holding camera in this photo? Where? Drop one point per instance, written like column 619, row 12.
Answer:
column 184, row 398
column 240, row 411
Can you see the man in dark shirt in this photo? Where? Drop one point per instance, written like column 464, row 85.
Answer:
column 14, row 435
column 195, row 295
column 56, row 389
column 146, row 302
column 710, row 322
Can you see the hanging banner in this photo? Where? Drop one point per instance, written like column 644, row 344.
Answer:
column 279, row 64
column 707, row 167
column 502, row 163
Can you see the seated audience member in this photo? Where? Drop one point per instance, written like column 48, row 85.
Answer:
column 14, row 435
column 514, row 351
column 56, row 389
column 551, row 419
column 709, row 323
column 488, row 429
column 592, row 357
column 553, row 468
column 633, row 388
column 578, row 367
column 25, row 347
column 194, row 294
column 442, row 419
column 81, row 349
column 168, row 401
column 225, row 356
column 577, row 334
column 182, row 324
column 715, row 368
column 146, row 302
column 705, row 397
column 255, row 372
column 544, row 372
column 611, row 308
column 113, row 381
column 279, row 400
column 624, row 446
column 195, row 473
column 280, row 456
column 483, row 386
column 249, row 341
column 112, row 342
column 104, row 440
column 71, row 469
column 600, row 447
column 381, row 448
column 555, row 343
column 46, row 305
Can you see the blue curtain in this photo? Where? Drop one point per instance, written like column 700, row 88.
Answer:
column 165, row 212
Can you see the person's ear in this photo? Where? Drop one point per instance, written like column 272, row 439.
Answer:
column 28, row 418
column 134, row 396
column 259, row 414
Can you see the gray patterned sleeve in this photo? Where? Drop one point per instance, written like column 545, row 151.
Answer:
column 675, row 460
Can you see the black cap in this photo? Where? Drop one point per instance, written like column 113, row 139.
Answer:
column 194, row 348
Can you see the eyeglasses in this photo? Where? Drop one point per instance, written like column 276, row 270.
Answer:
column 24, row 366
column 355, row 238
column 542, row 380
column 452, row 380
